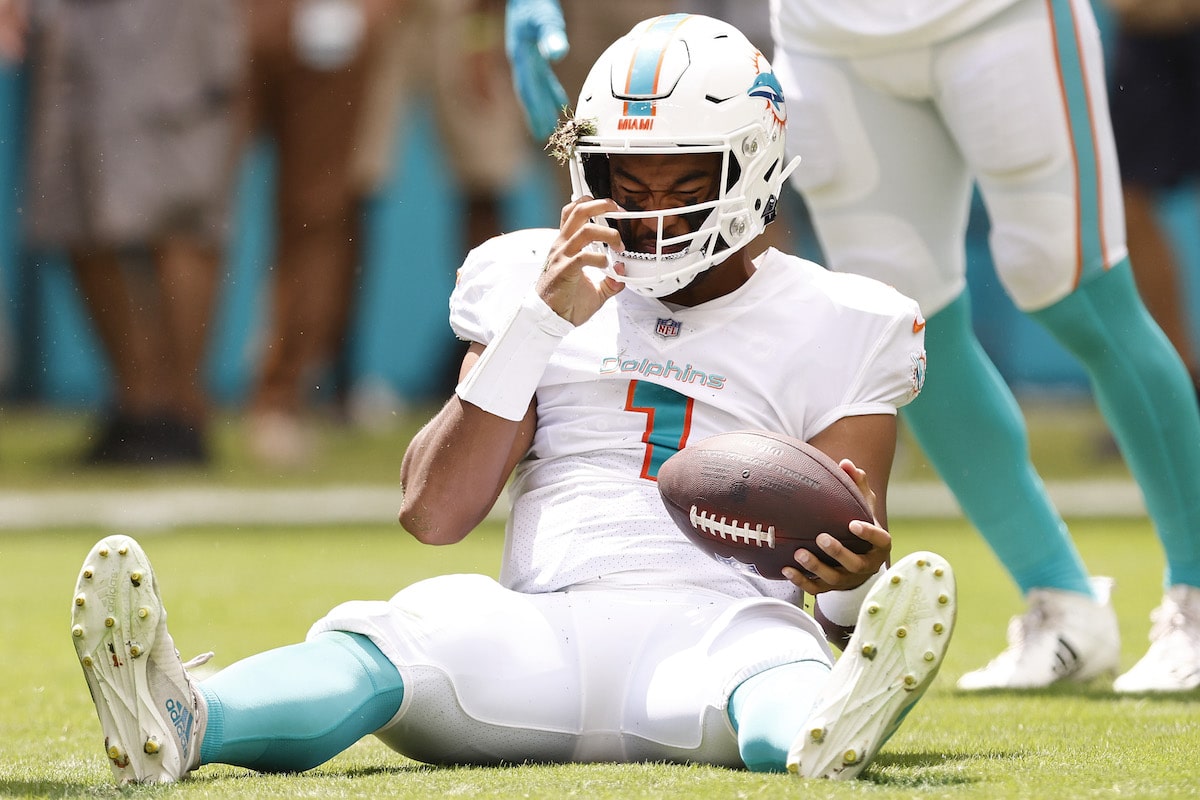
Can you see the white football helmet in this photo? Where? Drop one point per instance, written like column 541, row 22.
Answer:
column 685, row 83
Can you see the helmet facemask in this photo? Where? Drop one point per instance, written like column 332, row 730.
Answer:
column 667, row 247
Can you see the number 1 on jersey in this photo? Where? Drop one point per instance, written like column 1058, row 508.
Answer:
column 668, row 422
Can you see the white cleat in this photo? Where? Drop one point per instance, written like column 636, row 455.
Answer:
column 152, row 718
column 1172, row 664
column 1064, row 636
column 899, row 641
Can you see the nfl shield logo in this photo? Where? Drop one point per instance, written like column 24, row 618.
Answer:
column 667, row 328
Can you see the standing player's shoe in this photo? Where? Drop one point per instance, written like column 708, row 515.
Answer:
column 901, row 636
column 1064, row 636
column 1172, row 664
column 152, row 717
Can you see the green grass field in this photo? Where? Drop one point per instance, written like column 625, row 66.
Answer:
column 239, row 590
column 243, row 590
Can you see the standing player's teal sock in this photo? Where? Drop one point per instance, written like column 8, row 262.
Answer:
column 1146, row 396
column 290, row 709
column 972, row 430
column 769, row 709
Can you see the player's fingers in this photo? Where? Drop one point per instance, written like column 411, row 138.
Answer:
column 860, row 480
column 865, row 564
column 819, row 571
column 870, row 532
column 807, row 583
column 581, row 212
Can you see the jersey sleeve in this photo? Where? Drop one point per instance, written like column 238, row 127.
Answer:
column 888, row 332
column 492, row 281
column 897, row 370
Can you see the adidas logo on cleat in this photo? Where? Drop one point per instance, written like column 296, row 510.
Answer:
column 181, row 718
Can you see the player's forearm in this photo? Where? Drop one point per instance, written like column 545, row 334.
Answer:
column 455, row 468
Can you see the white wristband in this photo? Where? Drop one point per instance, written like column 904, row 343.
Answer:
column 503, row 380
column 841, row 608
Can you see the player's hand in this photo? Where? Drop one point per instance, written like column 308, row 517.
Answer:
column 534, row 36
column 574, row 294
column 854, row 568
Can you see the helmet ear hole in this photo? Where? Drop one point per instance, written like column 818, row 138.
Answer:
column 771, row 170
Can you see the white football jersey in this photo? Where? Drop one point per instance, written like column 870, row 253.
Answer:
column 854, row 28
column 793, row 350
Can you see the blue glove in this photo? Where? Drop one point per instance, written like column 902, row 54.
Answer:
column 534, row 36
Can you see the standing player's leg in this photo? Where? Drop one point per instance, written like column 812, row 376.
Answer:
column 1059, row 247
column 898, row 212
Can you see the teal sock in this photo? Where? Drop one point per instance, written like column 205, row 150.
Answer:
column 769, row 709
column 972, row 431
column 1144, row 392
column 290, row 709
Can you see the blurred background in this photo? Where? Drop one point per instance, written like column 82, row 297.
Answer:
column 416, row 216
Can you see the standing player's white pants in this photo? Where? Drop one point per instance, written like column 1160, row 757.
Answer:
column 589, row 674
column 890, row 145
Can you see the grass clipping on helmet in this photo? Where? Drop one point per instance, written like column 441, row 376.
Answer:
column 562, row 143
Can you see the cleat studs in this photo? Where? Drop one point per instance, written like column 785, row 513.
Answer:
column 87, row 573
column 850, row 757
column 80, row 599
column 124, row 550
column 86, row 661
column 869, row 651
column 901, row 632
column 116, row 755
column 143, row 612
column 929, row 656
column 895, row 580
column 873, row 608
column 817, row 735
column 77, row 631
column 943, row 599
column 939, row 572
column 938, row 627
column 135, row 649
column 922, row 562
column 109, row 622
column 135, row 578
column 910, row 680
column 151, row 746
column 102, row 552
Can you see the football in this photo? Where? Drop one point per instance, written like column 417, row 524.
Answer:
column 752, row 498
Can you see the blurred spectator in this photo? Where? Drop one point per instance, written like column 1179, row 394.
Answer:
column 1155, row 98
column 13, row 22
column 14, row 19
column 449, row 53
column 452, row 52
column 130, row 155
column 308, row 79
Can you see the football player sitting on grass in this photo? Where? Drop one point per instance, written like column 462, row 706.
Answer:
column 598, row 349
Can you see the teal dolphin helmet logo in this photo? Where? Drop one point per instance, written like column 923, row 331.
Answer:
column 766, row 86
